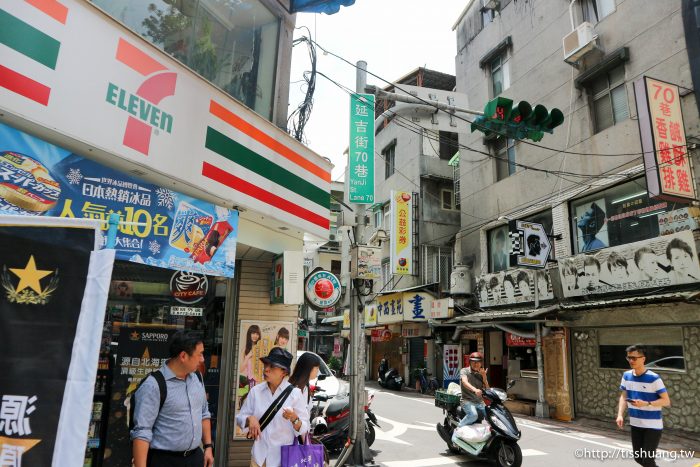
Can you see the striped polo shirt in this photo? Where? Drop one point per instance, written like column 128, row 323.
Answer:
column 646, row 387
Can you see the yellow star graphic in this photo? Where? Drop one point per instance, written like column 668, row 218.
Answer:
column 30, row 276
column 25, row 443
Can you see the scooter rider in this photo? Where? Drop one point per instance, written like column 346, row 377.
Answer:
column 473, row 381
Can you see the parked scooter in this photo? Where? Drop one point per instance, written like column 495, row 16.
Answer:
column 502, row 444
column 330, row 420
column 389, row 377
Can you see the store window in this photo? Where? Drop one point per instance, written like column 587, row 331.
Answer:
column 231, row 44
column 609, row 98
column 146, row 306
column 616, row 216
column 664, row 347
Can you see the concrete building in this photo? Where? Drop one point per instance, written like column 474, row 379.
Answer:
column 586, row 185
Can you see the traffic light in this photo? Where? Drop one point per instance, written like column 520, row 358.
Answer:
column 519, row 122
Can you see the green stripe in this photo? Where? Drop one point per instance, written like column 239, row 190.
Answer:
column 27, row 40
column 241, row 155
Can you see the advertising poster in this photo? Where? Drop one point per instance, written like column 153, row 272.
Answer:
column 53, row 293
column 141, row 350
column 161, row 227
column 401, row 237
column 370, row 315
column 660, row 262
column 513, row 286
column 257, row 338
column 592, row 233
column 450, row 363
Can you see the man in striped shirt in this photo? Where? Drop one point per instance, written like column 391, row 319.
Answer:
column 644, row 394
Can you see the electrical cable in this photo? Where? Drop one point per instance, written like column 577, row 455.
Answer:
column 297, row 120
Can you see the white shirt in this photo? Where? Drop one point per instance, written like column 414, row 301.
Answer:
column 279, row 432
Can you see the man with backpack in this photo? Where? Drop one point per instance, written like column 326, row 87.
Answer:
column 171, row 416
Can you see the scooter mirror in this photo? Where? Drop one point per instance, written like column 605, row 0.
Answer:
column 511, row 383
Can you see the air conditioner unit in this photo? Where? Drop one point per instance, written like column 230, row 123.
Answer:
column 579, row 42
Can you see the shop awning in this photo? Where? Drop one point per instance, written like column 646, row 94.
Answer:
column 328, row 7
column 432, row 287
column 502, row 315
column 692, row 296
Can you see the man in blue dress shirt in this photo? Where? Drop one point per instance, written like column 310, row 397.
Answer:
column 171, row 436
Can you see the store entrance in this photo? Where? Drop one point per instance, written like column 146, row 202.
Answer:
column 146, row 306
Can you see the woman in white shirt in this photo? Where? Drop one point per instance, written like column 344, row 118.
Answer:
column 290, row 421
column 306, row 369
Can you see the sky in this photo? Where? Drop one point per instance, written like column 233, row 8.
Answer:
column 394, row 37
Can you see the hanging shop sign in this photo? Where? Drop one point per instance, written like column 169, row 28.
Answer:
column 669, row 173
column 346, row 319
column 663, row 261
column 516, row 341
column 188, row 288
column 416, row 306
column 679, row 220
column 160, row 227
column 53, row 297
column 401, row 237
column 361, row 149
column 442, row 308
column 322, row 290
column 366, row 262
column 415, row 330
column 451, row 361
column 370, row 315
column 381, row 335
column 143, row 109
column 514, row 286
column 529, row 244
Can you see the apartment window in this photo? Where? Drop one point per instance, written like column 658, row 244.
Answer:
column 336, row 267
column 437, row 265
column 447, row 198
column 387, row 277
column 378, row 218
column 616, row 216
column 505, row 157
column 487, row 15
column 664, row 349
column 231, row 44
column 609, row 98
column 389, row 155
column 497, row 76
column 596, row 10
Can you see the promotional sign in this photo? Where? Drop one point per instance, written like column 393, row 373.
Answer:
column 346, row 319
column 516, row 341
column 678, row 220
column 322, row 290
column 370, row 315
column 361, row 149
column 277, row 292
column 189, row 288
column 381, row 335
column 366, row 262
column 160, row 227
column 659, row 262
column 669, row 174
column 416, row 306
column 53, row 296
column 415, row 330
column 514, row 286
column 337, row 347
column 442, row 308
column 401, row 235
column 141, row 350
column 257, row 338
column 389, row 308
column 530, row 245
column 140, row 107
column 451, row 362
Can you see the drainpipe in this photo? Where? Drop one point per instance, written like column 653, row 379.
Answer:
column 571, row 14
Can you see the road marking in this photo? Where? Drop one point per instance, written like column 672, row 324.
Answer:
column 432, row 403
column 424, row 462
column 532, row 452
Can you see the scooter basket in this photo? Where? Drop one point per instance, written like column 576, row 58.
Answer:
column 445, row 400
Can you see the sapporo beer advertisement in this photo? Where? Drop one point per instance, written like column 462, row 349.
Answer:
column 160, row 227
column 256, row 340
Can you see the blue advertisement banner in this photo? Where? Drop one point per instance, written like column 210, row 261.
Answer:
column 159, row 227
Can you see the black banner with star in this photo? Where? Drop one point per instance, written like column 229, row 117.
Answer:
column 43, row 276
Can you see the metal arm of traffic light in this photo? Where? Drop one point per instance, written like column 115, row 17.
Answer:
column 392, row 96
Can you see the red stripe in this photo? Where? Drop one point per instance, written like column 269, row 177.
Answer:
column 24, row 86
column 265, row 196
column 137, row 60
column 53, row 8
column 137, row 135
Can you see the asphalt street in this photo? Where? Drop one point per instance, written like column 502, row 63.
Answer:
column 408, row 438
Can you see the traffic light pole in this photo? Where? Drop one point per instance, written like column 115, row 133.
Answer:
column 391, row 96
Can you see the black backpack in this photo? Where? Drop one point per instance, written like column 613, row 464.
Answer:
column 162, row 387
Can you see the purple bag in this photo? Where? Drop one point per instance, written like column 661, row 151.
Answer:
column 303, row 455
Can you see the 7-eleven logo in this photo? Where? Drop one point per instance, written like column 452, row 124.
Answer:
column 142, row 106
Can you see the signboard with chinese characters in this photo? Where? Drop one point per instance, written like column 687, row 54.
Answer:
column 530, row 245
column 514, row 286
column 361, row 149
column 322, row 290
column 416, row 306
column 401, row 235
column 370, row 315
column 659, row 262
column 668, row 171
column 53, row 296
column 442, row 308
column 161, row 227
column 517, row 341
column 415, row 330
column 390, row 308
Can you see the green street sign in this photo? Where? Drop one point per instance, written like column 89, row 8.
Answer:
column 361, row 149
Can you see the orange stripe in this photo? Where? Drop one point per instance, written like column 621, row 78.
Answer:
column 137, row 60
column 235, row 121
column 53, row 8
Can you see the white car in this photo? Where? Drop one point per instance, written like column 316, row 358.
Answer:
column 330, row 384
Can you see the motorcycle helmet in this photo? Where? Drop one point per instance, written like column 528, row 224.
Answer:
column 476, row 357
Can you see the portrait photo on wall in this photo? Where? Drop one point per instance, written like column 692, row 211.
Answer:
column 513, row 286
column 591, row 227
column 663, row 261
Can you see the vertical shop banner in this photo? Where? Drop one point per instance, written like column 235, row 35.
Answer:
column 668, row 171
column 450, row 362
column 401, row 233
column 53, row 294
column 361, row 149
column 161, row 227
column 141, row 350
column 257, row 338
